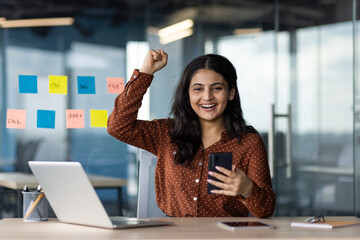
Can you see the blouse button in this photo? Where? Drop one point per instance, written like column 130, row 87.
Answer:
column 195, row 198
column 200, row 163
column 174, row 153
column 197, row 180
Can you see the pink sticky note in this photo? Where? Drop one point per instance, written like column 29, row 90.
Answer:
column 75, row 118
column 16, row 118
column 115, row 85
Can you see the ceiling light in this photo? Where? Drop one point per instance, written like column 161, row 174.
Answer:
column 176, row 31
column 176, row 36
column 175, row 28
column 40, row 22
column 247, row 31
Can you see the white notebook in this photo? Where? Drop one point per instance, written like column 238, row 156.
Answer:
column 328, row 224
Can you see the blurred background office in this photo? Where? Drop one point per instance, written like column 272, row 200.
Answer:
column 297, row 65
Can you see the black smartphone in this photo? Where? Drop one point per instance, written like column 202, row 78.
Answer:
column 221, row 159
column 243, row 225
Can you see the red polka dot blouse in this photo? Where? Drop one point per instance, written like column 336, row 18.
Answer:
column 181, row 191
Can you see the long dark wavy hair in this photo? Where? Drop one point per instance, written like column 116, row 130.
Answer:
column 186, row 131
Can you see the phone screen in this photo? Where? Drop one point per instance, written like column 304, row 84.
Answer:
column 244, row 224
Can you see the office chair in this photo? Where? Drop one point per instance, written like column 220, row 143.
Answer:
column 147, row 206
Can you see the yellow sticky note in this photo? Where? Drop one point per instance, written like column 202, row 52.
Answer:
column 98, row 118
column 58, row 84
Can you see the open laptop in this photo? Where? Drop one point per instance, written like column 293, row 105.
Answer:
column 74, row 200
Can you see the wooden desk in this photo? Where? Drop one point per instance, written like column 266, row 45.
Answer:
column 183, row 228
column 16, row 181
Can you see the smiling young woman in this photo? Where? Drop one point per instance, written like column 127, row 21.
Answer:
column 207, row 118
column 209, row 94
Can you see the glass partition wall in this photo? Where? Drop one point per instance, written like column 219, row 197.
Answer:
column 356, row 106
column 304, row 107
column 321, row 115
column 297, row 72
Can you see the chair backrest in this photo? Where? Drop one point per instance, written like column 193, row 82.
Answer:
column 147, row 206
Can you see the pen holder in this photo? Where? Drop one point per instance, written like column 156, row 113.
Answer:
column 35, row 206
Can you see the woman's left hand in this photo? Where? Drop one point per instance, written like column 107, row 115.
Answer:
column 233, row 183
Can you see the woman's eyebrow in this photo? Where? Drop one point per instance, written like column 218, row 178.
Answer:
column 213, row 84
column 218, row 83
column 197, row 84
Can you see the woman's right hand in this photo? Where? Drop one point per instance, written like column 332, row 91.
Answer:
column 154, row 61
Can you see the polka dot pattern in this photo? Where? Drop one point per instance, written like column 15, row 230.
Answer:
column 181, row 191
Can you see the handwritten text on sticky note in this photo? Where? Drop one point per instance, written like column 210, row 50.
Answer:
column 115, row 85
column 86, row 84
column 98, row 118
column 16, row 118
column 58, row 84
column 75, row 118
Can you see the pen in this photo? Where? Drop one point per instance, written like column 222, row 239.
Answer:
column 38, row 189
column 32, row 206
column 26, row 189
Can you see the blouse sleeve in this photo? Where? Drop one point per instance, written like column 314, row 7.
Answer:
column 123, row 123
column 261, row 202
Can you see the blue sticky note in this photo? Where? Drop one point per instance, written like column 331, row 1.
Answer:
column 28, row 84
column 86, row 84
column 45, row 119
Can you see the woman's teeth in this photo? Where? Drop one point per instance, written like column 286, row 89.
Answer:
column 208, row 106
